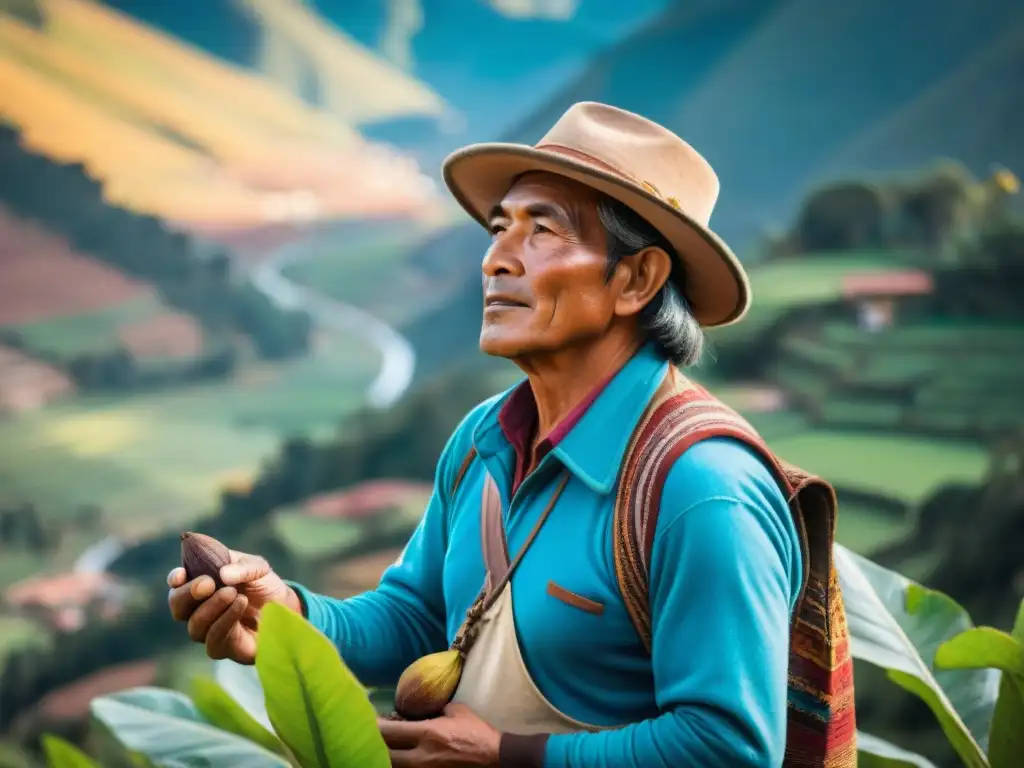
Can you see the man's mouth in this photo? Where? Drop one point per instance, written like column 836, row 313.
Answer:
column 503, row 301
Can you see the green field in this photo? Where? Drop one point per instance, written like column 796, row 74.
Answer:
column 864, row 529
column 781, row 286
column 311, row 538
column 369, row 272
column 903, row 468
column 88, row 333
column 17, row 632
column 158, row 459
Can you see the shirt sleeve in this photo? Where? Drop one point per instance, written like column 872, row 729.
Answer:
column 379, row 633
column 725, row 575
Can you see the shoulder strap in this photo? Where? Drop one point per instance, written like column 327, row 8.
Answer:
column 466, row 462
column 821, row 718
column 680, row 414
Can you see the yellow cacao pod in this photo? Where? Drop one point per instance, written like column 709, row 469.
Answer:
column 427, row 685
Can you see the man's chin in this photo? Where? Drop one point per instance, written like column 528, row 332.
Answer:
column 506, row 345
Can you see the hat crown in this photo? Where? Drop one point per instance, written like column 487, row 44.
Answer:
column 640, row 150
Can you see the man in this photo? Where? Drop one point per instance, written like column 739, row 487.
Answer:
column 648, row 641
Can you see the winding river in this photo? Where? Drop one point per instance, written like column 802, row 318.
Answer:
column 398, row 360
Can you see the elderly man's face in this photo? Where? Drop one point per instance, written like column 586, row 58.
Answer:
column 544, row 274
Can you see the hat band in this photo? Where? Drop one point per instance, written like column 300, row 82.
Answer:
column 575, row 154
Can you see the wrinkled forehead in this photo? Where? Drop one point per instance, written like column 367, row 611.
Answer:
column 543, row 186
column 539, row 194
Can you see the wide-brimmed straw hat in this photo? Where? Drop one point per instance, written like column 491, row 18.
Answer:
column 639, row 163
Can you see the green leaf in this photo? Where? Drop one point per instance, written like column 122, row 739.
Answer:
column 1006, row 741
column 317, row 706
column 219, row 709
column 63, row 754
column 898, row 628
column 242, row 683
column 934, row 618
column 874, row 752
column 982, row 648
column 166, row 727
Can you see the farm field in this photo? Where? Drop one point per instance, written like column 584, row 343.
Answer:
column 864, row 528
column 153, row 111
column 18, row 632
column 63, row 303
column 902, row 468
column 144, row 326
column 155, row 460
column 369, row 273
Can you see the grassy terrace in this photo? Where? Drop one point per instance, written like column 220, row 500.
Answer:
column 900, row 467
column 940, row 377
column 87, row 333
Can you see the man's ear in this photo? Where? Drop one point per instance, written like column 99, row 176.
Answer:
column 639, row 277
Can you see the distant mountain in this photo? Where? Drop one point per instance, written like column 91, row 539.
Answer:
column 490, row 67
column 987, row 129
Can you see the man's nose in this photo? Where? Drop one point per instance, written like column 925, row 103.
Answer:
column 502, row 258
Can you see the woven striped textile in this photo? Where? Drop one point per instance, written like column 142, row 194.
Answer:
column 821, row 719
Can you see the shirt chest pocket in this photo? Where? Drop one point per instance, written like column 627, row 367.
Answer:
column 574, row 599
column 577, row 622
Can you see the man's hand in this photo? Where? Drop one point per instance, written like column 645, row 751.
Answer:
column 226, row 620
column 455, row 740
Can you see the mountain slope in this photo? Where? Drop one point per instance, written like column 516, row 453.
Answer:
column 173, row 131
column 987, row 131
column 811, row 79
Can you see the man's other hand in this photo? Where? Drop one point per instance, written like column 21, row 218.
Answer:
column 226, row 620
column 457, row 739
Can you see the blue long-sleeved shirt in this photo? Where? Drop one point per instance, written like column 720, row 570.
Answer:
column 725, row 575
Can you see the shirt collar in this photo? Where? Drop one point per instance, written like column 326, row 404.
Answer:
column 594, row 446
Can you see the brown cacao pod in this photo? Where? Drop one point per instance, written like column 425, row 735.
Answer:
column 203, row 555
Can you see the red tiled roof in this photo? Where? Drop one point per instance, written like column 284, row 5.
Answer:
column 67, row 589
column 908, row 282
column 366, row 499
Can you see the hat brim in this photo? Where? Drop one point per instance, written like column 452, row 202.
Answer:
column 717, row 288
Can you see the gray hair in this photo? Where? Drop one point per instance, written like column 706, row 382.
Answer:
column 667, row 319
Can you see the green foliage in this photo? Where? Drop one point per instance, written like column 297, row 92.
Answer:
column 320, row 714
column 312, row 537
column 167, row 728
column 301, row 706
column 972, row 678
column 842, row 216
column 897, row 628
column 219, row 709
column 873, row 752
column 990, row 647
column 316, row 705
column 62, row 754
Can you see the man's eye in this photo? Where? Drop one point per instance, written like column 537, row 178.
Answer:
column 539, row 229
column 496, row 228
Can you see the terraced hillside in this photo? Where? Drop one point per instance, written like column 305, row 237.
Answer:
column 940, row 378
column 173, row 131
column 74, row 311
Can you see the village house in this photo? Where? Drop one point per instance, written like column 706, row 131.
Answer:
column 65, row 601
column 877, row 295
